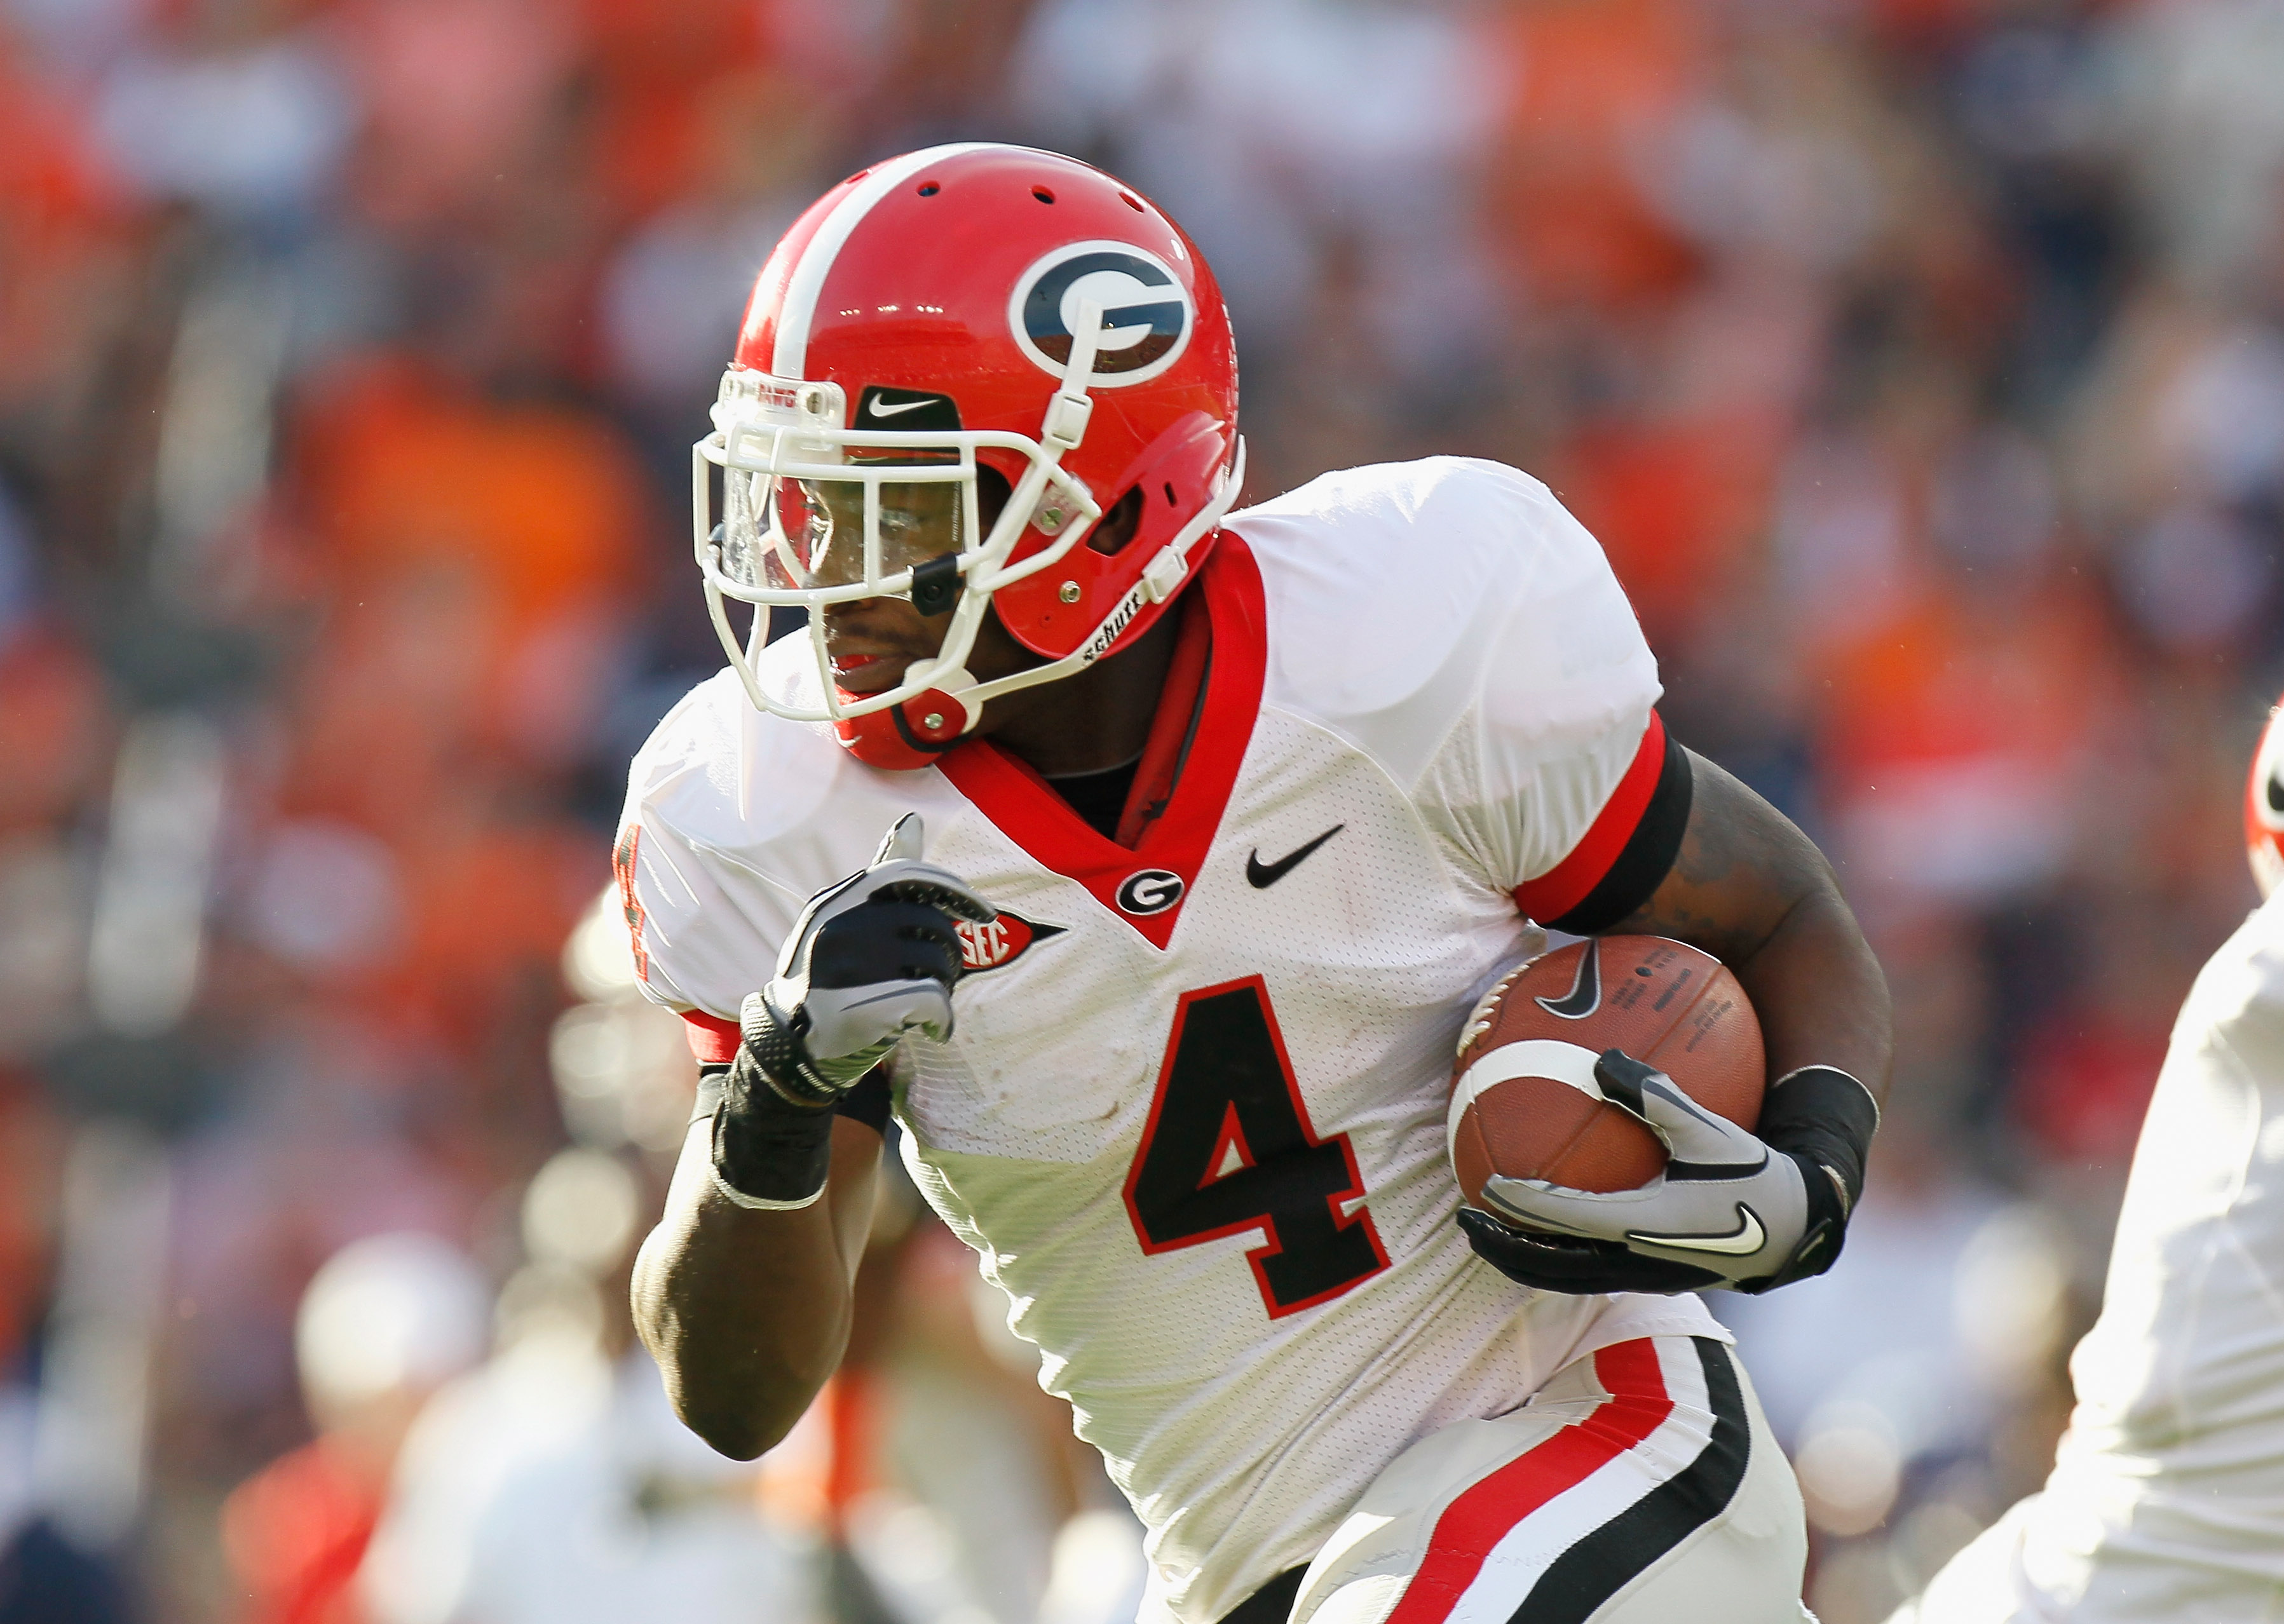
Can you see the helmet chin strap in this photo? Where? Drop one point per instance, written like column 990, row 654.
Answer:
column 911, row 734
column 942, row 710
column 901, row 736
column 1160, row 579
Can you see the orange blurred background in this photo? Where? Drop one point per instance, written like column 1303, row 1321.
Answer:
column 1920, row 363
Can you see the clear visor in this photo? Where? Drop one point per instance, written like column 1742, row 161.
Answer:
column 887, row 516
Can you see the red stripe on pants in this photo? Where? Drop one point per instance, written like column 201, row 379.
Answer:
column 1482, row 1515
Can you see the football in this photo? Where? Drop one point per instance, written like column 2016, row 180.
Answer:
column 1524, row 1104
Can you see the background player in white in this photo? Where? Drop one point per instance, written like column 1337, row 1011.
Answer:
column 1230, row 820
column 2166, row 1496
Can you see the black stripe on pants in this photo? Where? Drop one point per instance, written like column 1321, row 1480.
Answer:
column 1606, row 1560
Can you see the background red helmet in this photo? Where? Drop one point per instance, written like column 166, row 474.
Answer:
column 2264, row 806
column 963, row 308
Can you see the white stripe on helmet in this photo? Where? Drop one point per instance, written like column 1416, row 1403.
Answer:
column 796, row 310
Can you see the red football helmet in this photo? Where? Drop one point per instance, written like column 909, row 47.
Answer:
column 2264, row 806
column 968, row 311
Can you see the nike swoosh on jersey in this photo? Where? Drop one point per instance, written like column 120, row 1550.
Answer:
column 882, row 409
column 1262, row 875
column 1747, row 1238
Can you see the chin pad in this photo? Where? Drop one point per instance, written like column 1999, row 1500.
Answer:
column 900, row 739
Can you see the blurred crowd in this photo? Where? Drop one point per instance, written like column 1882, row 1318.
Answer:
column 1920, row 363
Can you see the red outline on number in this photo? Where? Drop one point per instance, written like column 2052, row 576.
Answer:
column 1266, row 1223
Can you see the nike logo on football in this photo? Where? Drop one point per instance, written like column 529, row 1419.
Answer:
column 1747, row 1238
column 1262, row 875
column 1585, row 994
column 882, row 409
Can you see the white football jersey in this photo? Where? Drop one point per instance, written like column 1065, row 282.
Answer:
column 2166, row 1496
column 1192, row 1120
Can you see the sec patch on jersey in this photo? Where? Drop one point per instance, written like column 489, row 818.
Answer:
column 1524, row 1101
column 999, row 942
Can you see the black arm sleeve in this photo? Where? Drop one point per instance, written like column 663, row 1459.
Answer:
column 867, row 1102
column 1825, row 1115
column 1824, row 1118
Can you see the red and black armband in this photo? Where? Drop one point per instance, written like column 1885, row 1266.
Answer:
column 1824, row 1118
column 1627, row 853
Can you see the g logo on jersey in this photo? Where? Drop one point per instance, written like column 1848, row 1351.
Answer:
column 1149, row 891
column 1000, row 943
column 1146, row 316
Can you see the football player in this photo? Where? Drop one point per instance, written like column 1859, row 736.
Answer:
column 1228, row 820
column 2166, row 1500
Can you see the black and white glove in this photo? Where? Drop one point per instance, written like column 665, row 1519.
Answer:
column 1730, row 1208
column 868, row 960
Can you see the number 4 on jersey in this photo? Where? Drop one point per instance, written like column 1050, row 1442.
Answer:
column 1228, row 1148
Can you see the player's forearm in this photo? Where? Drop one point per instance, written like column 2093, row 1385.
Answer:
column 1751, row 889
column 1820, row 993
column 746, row 1312
column 744, row 1318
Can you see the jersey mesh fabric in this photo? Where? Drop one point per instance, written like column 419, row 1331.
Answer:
column 1404, row 649
column 1469, row 640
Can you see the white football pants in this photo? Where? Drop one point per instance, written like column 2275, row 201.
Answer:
column 1640, row 1485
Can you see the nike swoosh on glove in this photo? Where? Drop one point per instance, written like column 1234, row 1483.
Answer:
column 1728, row 1209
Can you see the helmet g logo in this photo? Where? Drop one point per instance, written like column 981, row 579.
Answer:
column 1146, row 316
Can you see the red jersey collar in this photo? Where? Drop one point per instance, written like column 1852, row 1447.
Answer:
column 1148, row 884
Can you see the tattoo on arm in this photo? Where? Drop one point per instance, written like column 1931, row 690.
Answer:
column 1743, row 867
